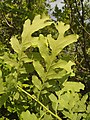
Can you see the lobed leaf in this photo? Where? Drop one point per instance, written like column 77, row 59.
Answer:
column 63, row 64
column 53, row 75
column 29, row 28
column 73, row 86
column 60, row 43
column 62, row 28
column 28, row 116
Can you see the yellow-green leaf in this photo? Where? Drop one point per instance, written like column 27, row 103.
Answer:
column 39, row 69
column 29, row 28
column 15, row 44
column 36, row 82
column 28, row 116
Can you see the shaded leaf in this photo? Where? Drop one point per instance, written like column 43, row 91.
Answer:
column 3, row 98
column 16, row 96
column 25, row 58
column 10, row 61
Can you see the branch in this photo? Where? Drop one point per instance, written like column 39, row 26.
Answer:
column 56, row 116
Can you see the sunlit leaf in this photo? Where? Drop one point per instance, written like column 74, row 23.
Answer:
column 0, row 73
column 74, row 86
column 15, row 44
column 36, row 82
column 61, row 27
column 43, row 48
column 29, row 28
column 1, row 86
column 28, row 116
column 39, row 69
column 53, row 98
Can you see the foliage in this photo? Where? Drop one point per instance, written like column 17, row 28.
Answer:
column 13, row 14
column 34, row 80
column 77, row 14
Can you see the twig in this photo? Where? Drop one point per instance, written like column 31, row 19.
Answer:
column 56, row 116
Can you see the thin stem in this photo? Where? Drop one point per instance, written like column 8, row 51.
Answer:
column 39, row 103
column 83, row 27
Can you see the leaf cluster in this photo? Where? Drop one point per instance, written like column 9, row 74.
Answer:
column 34, row 81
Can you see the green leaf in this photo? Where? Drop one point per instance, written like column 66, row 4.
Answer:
column 36, row 56
column 39, row 23
column 0, row 73
column 3, row 98
column 29, row 67
column 71, row 116
column 67, row 40
column 43, row 48
column 61, row 27
column 88, row 51
column 29, row 28
column 28, row 116
column 88, row 109
column 81, row 105
column 47, row 117
column 16, row 96
column 73, row 86
column 55, row 106
column 39, row 69
column 53, row 98
column 60, row 43
column 26, row 35
column 36, row 82
column 84, row 98
column 3, row 118
column 63, row 64
column 53, row 75
column 25, row 58
column 1, row 86
column 22, row 70
column 15, row 44
column 88, row 117
column 9, row 61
